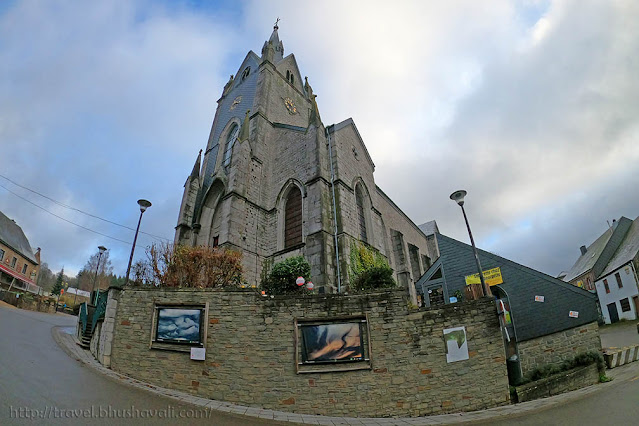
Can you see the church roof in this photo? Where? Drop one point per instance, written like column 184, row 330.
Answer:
column 429, row 228
column 12, row 236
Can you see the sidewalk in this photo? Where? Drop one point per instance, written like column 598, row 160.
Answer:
column 64, row 336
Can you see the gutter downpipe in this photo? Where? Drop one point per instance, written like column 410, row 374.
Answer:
column 330, row 155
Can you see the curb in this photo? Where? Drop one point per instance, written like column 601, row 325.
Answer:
column 67, row 343
column 615, row 358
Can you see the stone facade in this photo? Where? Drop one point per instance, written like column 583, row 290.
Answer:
column 250, row 353
column 558, row 347
column 102, row 338
column 239, row 201
column 559, row 383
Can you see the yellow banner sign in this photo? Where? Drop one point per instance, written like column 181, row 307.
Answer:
column 491, row 276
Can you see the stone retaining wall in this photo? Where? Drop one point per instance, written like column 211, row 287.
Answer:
column 559, row 383
column 558, row 347
column 250, row 354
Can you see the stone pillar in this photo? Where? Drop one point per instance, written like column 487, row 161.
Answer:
column 106, row 331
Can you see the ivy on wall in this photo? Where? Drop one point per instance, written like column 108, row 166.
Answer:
column 369, row 270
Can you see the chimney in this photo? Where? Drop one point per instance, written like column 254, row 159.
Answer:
column 37, row 255
column 583, row 250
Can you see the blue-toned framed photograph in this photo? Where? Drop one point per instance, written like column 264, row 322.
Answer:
column 179, row 325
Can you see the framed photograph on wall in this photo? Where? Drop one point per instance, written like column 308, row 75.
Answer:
column 334, row 344
column 179, row 326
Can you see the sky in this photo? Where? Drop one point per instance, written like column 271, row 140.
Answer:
column 530, row 106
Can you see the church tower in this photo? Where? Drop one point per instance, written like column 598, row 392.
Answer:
column 276, row 183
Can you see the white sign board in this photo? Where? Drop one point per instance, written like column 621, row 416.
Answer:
column 456, row 344
column 198, row 354
column 539, row 298
column 573, row 314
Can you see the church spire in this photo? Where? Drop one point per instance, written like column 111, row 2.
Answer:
column 195, row 173
column 273, row 49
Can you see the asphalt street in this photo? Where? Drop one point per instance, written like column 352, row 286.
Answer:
column 41, row 384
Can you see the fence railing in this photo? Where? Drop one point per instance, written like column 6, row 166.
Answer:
column 100, row 309
column 84, row 315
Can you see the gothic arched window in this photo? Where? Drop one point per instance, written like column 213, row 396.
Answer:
column 246, row 73
column 359, row 200
column 293, row 218
column 228, row 147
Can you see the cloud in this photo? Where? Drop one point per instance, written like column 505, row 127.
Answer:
column 530, row 107
column 102, row 104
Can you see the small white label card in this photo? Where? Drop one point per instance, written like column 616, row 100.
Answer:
column 539, row 298
column 198, row 354
column 573, row 314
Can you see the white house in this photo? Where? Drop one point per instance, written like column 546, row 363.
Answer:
column 618, row 286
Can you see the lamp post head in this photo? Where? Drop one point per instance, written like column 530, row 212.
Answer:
column 144, row 204
column 458, row 196
column 102, row 249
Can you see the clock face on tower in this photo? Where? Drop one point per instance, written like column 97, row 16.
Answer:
column 290, row 106
column 235, row 103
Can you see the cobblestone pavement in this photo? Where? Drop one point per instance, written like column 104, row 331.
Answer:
column 64, row 337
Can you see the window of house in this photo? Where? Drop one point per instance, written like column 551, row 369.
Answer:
column 1, row 254
column 246, row 73
column 13, row 262
column 588, row 283
column 360, row 214
column 289, row 76
column 216, row 241
column 230, row 140
column 618, row 278
column 625, row 305
column 606, row 286
column 293, row 218
column 24, row 268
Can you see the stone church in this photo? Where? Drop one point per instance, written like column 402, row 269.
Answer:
column 276, row 182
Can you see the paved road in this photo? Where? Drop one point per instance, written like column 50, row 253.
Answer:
column 38, row 378
column 620, row 334
column 617, row 405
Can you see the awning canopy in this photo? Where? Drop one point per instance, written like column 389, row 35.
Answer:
column 15, row 274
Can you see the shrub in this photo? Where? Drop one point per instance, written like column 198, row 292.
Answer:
column 580, row 360
column 281, row 279
column 369, row 270
column 184, row 266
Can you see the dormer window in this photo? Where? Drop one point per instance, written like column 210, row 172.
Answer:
column 245, row 73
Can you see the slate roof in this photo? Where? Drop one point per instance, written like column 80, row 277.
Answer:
column 11, row 235
column 627, row 250
column 587, row 261
column 531, row 319
column 429, row 228
column 599, row 253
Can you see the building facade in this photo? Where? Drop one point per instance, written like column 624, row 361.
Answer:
column 275, row 182
column 545, row 320
column 618, row 286
column 19, row 266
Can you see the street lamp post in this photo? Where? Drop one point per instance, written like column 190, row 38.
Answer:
column 144, row 204
column 458, row 197
column 97, row 268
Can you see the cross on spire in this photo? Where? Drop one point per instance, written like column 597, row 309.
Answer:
column 275, row 27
